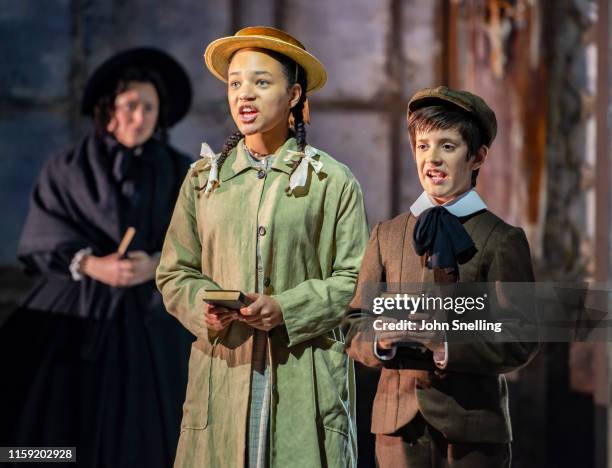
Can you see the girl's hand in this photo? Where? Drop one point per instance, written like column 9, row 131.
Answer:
column 217, row 318
column 264, row 313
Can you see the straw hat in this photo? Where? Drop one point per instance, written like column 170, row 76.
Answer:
column 218, row 52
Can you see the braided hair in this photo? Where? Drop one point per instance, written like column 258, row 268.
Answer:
column 229, row 144
column 294, row 73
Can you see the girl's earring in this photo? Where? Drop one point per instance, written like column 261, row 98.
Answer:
column 306, row 112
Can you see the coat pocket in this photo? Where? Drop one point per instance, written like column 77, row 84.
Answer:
column 332, row 380
column 195, row 408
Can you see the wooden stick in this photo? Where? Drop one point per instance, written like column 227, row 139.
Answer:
column 125, row 242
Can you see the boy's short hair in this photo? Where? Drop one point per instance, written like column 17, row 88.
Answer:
column 438, row 117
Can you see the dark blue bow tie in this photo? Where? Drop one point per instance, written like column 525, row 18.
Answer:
column 441, row 235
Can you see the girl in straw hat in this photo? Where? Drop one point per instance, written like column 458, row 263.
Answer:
column 269, row 383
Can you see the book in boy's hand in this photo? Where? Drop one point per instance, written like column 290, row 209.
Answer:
column 226, row 298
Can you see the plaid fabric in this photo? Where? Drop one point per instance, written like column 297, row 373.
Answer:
column 259, row 406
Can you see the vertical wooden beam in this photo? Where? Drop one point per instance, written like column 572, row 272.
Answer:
column 396, row 114
column 602, row 230
column 448, row 31
column 77, row 66
column 235, row 16
column 280, row 11
column 602, row 174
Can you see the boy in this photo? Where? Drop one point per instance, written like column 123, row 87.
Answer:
column 447, row 404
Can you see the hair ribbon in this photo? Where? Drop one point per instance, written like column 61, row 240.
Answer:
column 212, row 160
column 299, row 177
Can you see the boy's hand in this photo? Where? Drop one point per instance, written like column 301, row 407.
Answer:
column 264, row 313
column 431, row 339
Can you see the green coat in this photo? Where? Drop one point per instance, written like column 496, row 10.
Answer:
column 311, row 251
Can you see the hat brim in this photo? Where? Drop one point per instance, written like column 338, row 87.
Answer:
column 172, row 74
column 429, row 100
column 218, row 53
column 426, row 101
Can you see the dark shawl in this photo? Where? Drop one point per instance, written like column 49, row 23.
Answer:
column 88, row 196
column 82, row 200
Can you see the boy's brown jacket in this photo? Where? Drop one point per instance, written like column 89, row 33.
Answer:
column 468, row 401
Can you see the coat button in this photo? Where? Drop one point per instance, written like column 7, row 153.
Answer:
column 261, row 174
column 267, row 281
column 261, row 231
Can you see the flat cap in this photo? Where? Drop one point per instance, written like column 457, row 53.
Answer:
column 475, row 105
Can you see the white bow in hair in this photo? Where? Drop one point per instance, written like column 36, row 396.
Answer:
column 213, row 162
column 300, row 175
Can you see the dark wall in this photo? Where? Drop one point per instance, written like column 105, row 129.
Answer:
column 377, row 52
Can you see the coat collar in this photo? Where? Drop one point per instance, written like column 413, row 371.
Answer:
column 238, row 160
column 464, row 205
column 283, row 153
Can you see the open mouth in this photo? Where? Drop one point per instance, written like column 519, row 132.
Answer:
column 436, row 176
column 247, row 113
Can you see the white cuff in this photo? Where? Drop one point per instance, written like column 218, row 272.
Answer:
column 383, row 355
column 441, row 357
column 75, row 263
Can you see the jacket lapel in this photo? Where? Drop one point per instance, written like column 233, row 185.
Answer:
column 236, row 163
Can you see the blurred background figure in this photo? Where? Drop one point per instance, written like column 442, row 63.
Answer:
column 95, row 360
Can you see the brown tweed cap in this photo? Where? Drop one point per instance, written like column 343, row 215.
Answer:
column 475, row 105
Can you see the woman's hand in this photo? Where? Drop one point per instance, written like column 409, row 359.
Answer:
column 143, row 266
column 112, row 269
column 217, row 318
column 116, row 271
column 264, row 313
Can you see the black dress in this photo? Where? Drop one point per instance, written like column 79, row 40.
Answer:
column 88, row 365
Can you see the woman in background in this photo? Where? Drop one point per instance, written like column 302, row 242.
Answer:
column 97, row 362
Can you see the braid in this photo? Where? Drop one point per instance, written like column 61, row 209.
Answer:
column 228, row 146
column 299, row 129
column 298, row 123
column 297, row 112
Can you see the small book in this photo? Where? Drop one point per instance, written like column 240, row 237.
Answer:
column 226, row 298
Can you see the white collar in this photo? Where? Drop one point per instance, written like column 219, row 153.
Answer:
column 464, row 205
